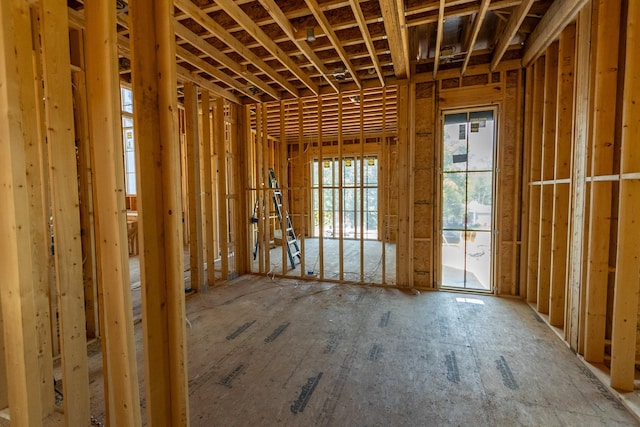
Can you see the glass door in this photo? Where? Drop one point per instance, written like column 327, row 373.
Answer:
column 467, row 200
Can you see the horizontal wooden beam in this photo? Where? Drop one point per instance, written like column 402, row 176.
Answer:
column 389, row 9
column 561, row 13
column 511, row 29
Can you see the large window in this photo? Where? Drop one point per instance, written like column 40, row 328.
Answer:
column 359, row 197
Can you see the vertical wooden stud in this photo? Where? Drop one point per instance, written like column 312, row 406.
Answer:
column 303, row 164
column 320, row 192
column 341, row 191
column 564, row 137
column 605, row 70
column 196, row 243
column 18, row 293
column 223, row 227
column 627, row 283
column 63, row 175
column 159, row 201
column 406, row 96
column 207, row 157
column 285, row 184
column 535, row 179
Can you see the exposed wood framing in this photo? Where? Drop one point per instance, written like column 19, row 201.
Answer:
column 65, row 201
column 203, row 19
column 439, row 33
column 625, row 302
column 158, row 165
column 122, row 398
column 510, row 30
column 333, row 38
column 221, row 151
column 393, row 23
column 18, row 292
column 281, row 19
column 605, row 49
column 223, row 59
column 477, row 24
column 185, row 75
column 561, row 189
column 535, row 174
column 196, row 238
column 207, row 191
column 357, row 11
column 526, row 177
column 561, row 13
column 404, row 247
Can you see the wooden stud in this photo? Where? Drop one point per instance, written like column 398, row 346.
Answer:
column 383, row 200
column 577, row 230
column 404, row 269
column 605, row 49
column 304, row 223
column 159, row 201
column 268, row 192
column 18, row 292
column 285, row 184
column 208, row 206
column 627, row 284
column 340, row 190
column 259, row 206
column 526, row 160
column 196, row 241
column 548, row 162
column 218, row 133
column 320, row 192
column 535, row 174
column 564, row 135
column 65, row 202
column 122, row 399
column 362, row 190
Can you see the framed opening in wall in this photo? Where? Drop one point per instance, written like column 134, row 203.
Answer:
column 467, row 194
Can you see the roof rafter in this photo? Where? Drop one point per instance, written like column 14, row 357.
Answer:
column 431, row 18
column 333, row 38
column 549, row 28
column 513, row 25
column 364, row 29
column 281, row 19
column 257, row 33
column 392, row 25
column 216, row 29
column 477, row 24
column 436, row 61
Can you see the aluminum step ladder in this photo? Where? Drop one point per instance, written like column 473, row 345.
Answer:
column 286, row 226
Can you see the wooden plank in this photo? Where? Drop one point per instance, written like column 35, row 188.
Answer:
column 627, row 286
column 206, row 47
column 393, row 29
column 122, row 398
column 35, row 152
column 404, row 269
column 333, row 39
column 366, row 36
column 556, row 18
column 385, row 165
column 196, row 240
column 281, row 19
column 535, row 173
column 320, row 192
column 18, row 292
column 223, row 227
column 564, row 136
column 509, row 32
column 477, row 24
column 304, row 224
column 268, row 193
column 185, row 75
column 208, row 207
column 159, row 201
column 285, row 183
column 548, row 161
column 65, row 202
column 214, row 28
column 578, row 228
column 439, row 35
column 605, row 49
column 362, row 190
column 526, row 168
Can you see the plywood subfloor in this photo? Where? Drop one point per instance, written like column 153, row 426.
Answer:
column 266, row 352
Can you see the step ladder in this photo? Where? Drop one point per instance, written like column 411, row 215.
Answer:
column 286, row 227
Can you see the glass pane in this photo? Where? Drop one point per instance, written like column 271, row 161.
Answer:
column 453, row 260
column 479, row 202
column 453, row 200
column 478, row 259
column 455, row 143
column 481, row 140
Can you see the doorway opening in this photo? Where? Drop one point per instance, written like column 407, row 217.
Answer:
column 467, row 195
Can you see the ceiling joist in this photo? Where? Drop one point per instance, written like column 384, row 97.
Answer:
column 517, row 16
column 333, row 38
column 477, row 24
column 440, row 30
column 392, row 25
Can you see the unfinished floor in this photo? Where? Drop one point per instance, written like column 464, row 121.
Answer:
column 268, row 352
